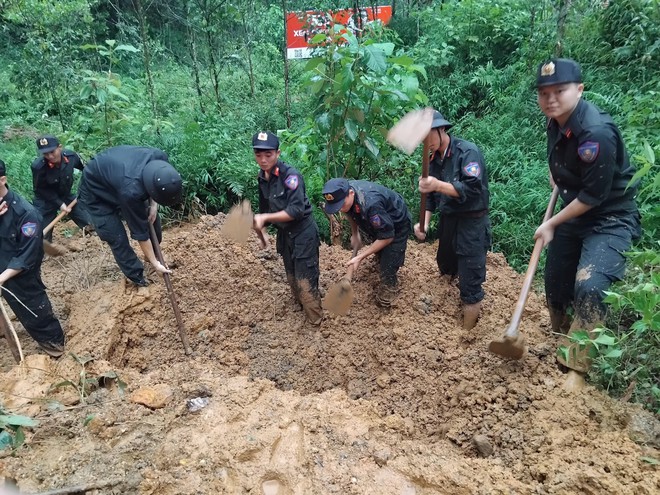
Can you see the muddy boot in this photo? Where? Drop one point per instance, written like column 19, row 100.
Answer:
column 386, row 295
column 559, row 320
column 471, row 315
column 295, row 292
column 312, row 307
column 578, row 359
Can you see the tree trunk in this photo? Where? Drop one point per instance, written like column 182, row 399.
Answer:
column 287, row 100
column 563, row 6
column 146, row 58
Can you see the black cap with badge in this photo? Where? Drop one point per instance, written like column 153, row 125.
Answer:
column 162, row 182
column 558, row 71
column 265, row 140
column 334, row 193
column 47, row 143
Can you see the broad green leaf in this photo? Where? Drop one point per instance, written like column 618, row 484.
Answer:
column 313, row 63
column 603, row 339
column 614, row 353
column 403, row 60
column 351, row 129
column 375, row 59
column 127, row 48
column 6, row 440
column 386, row 48
column 318, row 38
column 16, row 420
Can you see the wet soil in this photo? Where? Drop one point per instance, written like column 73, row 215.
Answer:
column 402, row 401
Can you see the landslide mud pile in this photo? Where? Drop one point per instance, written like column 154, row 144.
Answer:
column 398, row 402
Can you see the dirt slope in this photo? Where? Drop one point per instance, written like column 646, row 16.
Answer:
column 372, row 403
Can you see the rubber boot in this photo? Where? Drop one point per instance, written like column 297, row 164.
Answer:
column 312, row 307
column 471, row 315
column 559, row 320
column 577, row 358
column 386, row 295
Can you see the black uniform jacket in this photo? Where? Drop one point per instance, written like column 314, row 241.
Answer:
column 21, row 233
column 381, row 212
column 588, row 161
column 114, row 179
column 464, row 167
column 285, row 190
column 52, row 183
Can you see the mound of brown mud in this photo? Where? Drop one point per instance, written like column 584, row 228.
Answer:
column 396, row 402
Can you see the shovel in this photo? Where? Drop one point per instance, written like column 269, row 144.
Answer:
column 50, row 248
column 340, row 296
column 170, row 291
column 239, row 223
column 512, row 345
column 10, row 334
column 406, row 135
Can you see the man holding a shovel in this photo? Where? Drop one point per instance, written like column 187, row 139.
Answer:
column 457, row 186
column 129, row 182
column 599, row 218
column 383, row 215
column 21, row 254
column 52, row 180
column 283, row 203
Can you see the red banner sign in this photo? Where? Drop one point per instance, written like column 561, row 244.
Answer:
column 301, row 27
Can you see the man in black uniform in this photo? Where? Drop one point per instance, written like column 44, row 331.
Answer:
column 284, row 203
column 21, row 254
column 599, row 218
column 52, row 180
column 457, row 187
column 128, row 182
column 383, row 215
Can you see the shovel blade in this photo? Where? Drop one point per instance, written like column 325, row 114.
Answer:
column 339, row 298
column 238, row 223
column 508, row 347
column 53, row 249
column 411, row 130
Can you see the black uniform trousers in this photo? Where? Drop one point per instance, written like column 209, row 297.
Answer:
column 30, row 289
column 300, row 252
column 108, row 224
column 463, row 244
column 393, row 256
column 78, row 214
column 584, row 258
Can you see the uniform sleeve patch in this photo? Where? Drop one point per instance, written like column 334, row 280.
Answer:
column 375, row 220
column 292, row 182
column 29, row 229
column 588, row 151
column 472, row 169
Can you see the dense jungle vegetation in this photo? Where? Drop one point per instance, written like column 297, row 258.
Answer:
column 198, row 77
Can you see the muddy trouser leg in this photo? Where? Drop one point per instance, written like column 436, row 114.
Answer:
column 48, row 215
column 305, row 251
column 110, row 229
column 472, row 243
column 29, row 288
column 392, row 258
column 446, row 256
column 600, row 262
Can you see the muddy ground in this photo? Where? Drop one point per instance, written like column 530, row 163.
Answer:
column 400, row 402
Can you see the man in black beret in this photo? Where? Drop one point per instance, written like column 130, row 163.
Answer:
column 598, row 219
column 129, row 182
column 283, row 203
column 52, row 180
column 457, row 186
column 382, row 215
column 21, row 254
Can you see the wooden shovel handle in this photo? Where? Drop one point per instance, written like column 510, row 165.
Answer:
column 512, row 331
column 425, row 174
column 351, row 269
column 170, row 291
column 59, row 217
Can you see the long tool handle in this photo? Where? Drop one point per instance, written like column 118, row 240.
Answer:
column 10, row 335
column 170, row 291
column 351, row 269
column 512, row 331
column 59, row 217
column 425, row 174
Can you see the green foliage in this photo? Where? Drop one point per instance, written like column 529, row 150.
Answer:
column 11, row 429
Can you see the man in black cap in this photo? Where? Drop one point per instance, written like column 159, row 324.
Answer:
column 599, row 218
column 52, row 180
column 129, row 182
column 283, row 202
column 457, row 186
column 21, row 254
column 383, row 215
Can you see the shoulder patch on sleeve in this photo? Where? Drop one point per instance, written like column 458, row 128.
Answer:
column 588, row 151
column 29, row 229
column 375, row 220
column 472, row 169
column 292, row 182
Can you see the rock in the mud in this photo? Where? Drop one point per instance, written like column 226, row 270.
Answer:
column 483, row 445
column 644, row 429
column 155, row 397
column 381, row 457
